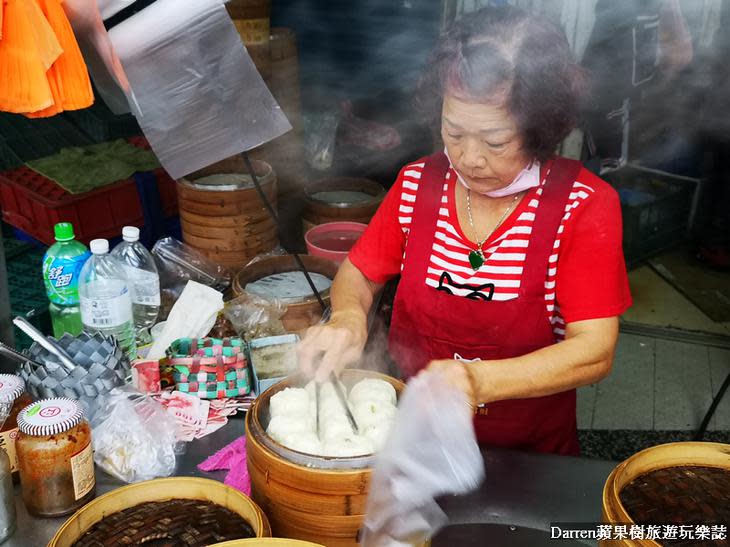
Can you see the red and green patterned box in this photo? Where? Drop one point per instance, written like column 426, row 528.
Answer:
column 211, row 368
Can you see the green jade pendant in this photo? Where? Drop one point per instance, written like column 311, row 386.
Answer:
column 476, row 259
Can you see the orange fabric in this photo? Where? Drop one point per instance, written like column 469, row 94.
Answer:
column 67, row 77
column 47, row 44
column 23, row 82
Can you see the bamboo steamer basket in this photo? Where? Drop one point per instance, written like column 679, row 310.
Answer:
column 229, row 226
column 161, row 490
column 307, row 497
column 299, row 315
column 320, row 212
column 654, row 458
column 267, row 542
column 252, row 19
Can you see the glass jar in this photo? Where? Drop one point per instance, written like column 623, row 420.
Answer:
column 12, row 388
column 55, row 457
column 7, row 499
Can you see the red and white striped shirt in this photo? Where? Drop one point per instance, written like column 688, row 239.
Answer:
column 586, row 277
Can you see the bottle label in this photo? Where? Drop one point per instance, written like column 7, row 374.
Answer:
column 7, row 443
column 145, row 286
column 82, row 471
column 61, row 277
column 104, row 313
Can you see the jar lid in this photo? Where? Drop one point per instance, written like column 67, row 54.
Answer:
column 11, row 387
column 50, row 417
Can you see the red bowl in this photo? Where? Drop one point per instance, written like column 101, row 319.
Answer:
column 333, row 240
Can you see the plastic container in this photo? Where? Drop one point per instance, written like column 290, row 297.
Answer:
column 658, row 209
column 333, row 240
column 62, row 265
column 56, row 457
column 106, row 302
column 34, row 204
column 12, row 389
column 144, row 282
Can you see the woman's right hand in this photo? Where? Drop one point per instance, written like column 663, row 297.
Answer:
column 331, row 347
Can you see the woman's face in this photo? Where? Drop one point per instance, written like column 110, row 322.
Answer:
column 483, row 143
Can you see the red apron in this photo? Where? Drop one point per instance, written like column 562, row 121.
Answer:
column 431, row 324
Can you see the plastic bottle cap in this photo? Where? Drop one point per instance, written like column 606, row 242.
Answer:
column 50, row 417
column 130, row 233
column 64, row 231
column 99, row 246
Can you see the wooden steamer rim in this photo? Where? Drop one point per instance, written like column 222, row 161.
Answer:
column 705, row 454
column 160, row 490
column 354, row 184
column 267, row 542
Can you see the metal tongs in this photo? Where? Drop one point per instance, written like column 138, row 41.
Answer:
column 343, row 401
column 341, row 396
column 9, row 352
column 49, row 344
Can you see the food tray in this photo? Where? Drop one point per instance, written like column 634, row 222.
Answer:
column 262, row 379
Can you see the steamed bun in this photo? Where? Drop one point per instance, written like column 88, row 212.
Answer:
column 377, row 435
column 291, row 401
column 308, row 443
column 371, row 390
column 374, row 414
column 348, row 446
column 333, row 426
column 282, row 427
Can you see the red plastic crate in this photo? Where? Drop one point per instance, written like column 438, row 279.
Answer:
column 34, row 203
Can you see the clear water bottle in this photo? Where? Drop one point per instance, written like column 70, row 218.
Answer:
column 144, row 282
column 106, row 302
column 62, row 265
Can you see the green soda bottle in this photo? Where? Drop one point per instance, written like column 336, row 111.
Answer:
column 61, row 267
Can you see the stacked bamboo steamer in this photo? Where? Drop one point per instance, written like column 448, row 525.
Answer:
column 318, row 211
column 685, row 487
column 228, row 222
column 286, row 153
column 160, row 490
column 307, row 497
column 252, row 21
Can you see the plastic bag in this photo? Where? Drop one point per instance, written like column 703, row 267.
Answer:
column 431, row 451
column 178, row 263
column 320, row 137
column 255, row 317
column 276, row 251
column 134, row 436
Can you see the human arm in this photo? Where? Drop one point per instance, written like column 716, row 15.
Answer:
column 375, row 258
column 583, row 358
column 338, row 343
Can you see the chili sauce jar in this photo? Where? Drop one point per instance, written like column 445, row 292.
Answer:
column 12, row 388
column 55, row 457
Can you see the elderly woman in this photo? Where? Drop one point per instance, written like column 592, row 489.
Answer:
column 512, row 273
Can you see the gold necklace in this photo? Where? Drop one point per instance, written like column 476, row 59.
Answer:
column 476, row 256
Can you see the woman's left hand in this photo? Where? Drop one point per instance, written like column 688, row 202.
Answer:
column 456, row 374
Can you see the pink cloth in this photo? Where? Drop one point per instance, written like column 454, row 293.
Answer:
column 232, row 458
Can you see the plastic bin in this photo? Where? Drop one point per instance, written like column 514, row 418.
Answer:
column 25, row 286
column 34, row 203
column 657, row 209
